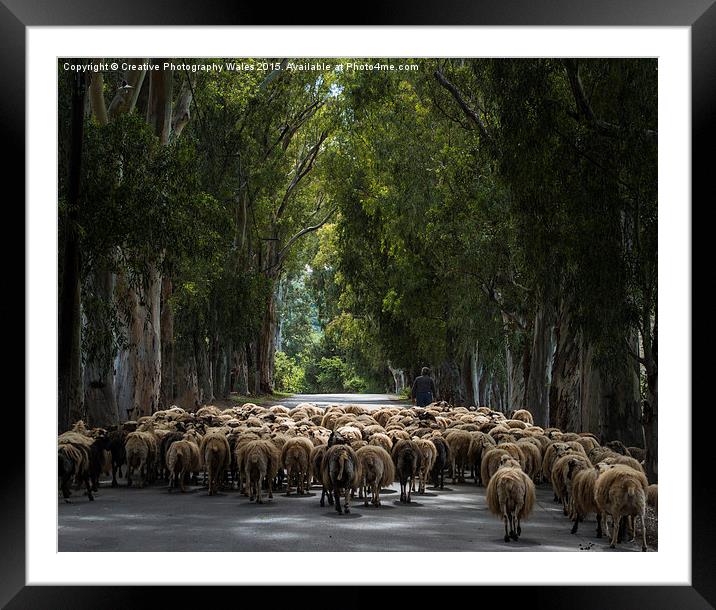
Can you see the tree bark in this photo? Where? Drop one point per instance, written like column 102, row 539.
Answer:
column 541, row 363
column 100, row 400
column 565, row 396
column 516, row 359
column 267, row 347
column 140, row 371
column 241, row 380
column 168, row 390
column 70, row 395
column 203, row 369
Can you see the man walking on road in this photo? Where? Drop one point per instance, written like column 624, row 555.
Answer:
column 423, row 389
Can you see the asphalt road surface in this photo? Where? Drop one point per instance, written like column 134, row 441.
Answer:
column 369, row 401
column 452, row 519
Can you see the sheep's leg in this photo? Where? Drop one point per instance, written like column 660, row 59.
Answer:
column 412, row 481
column 323, row 495
column 337, row 498
column 513, row 532
column 289, row 472
column 259, row 499
column 507, row 534
column 88, row 485
column 519, row 527
column 454, row 470
column 643, row 533
column 615, row 531
column 576, row 523
column 347, row 507
column 270, row 489
column 599, row 525
column 364, row 486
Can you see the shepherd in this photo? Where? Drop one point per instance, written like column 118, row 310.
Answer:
column 424, row 389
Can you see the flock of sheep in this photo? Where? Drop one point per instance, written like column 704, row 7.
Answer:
column 352, row 451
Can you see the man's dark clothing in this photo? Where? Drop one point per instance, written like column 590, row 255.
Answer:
column 423, row 390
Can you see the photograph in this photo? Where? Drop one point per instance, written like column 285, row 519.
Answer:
column 351, row 306
column 304, row 303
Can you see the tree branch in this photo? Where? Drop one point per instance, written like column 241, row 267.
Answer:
column 584, row 108
column 96, row 91
column 283, row 252
column 471, row 114
column 304, row 167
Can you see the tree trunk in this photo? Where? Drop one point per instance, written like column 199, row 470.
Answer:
column 69, row 374
column 565, row 391
column 141, row 368
column 515, row 364
column 100, row 400
column 139, row 374
column 187, row 382
column 203, row 369
column 540, row 370
column 267, row 347
column 168, row 390
column 241, row 379
column 451, row 384
column 650, row 412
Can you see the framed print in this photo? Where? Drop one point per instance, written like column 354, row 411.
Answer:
column 267, row 263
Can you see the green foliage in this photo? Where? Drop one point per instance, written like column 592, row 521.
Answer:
column 288, row 375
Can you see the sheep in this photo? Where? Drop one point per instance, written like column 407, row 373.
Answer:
column 490, row 463
column 510, row 494
column 98, row 451
column 479, row 443
column 406, row 457
column 317, row 454
column 598, row 454
column 620, row 491
column 377, row 470
column 119, row 454
column 588, row 443
column 442, row 460
column 582, row 500
column 73, row 460
column 637, row 453
column 516, row 424
column 296, row 459
column 164, row 445
column 141, row 450
column 624, row 460
column 523, row 415
column 216, row 454
column 617, row 447
column 652, row 496
column 515, row 451
column 569, row 462
column 381, row 440
column 340, row 470
column 261, row 461
column 428, row 454
column 533, row 457
column 551, row 454
column 459, row 442
column 183, row 457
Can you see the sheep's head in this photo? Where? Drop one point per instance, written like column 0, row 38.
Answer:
column 507, row 461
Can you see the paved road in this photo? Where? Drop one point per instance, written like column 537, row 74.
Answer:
column 453, row 519
column 369, row 401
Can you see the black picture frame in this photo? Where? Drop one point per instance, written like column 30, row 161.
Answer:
column 700, row 15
